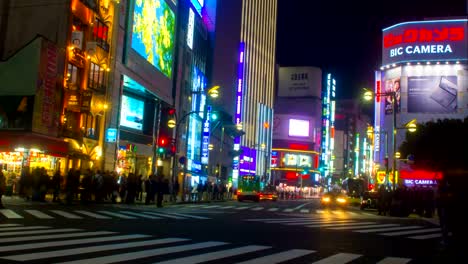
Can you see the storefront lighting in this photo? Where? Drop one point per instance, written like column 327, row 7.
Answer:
column 159, row 162
column 419, row 63
column 388, row 66
column 88, row 57
column 457, row 62
column 382, row 68
column 447, row 62
column 408, row 63
column 71, row 47
column 394, row 65
column 108, row 69
column 438, row 62
column 35, row 150
column 105, row 106
column 19, row 149
column 428, row 63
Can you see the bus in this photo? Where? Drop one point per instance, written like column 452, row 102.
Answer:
column 250, row 187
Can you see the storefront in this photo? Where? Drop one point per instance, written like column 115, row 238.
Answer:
column 135, row 158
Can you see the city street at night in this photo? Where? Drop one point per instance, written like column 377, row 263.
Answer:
column 227, row 232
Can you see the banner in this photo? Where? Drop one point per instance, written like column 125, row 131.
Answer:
column 390, row 86
column 432, row 94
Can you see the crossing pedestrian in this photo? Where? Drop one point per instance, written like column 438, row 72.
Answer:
column 2, row 187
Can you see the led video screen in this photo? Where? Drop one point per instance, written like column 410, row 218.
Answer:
column 153, row 33
column 298, row 128
column 131, row 113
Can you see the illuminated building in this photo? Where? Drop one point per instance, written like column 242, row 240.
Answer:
column 249, row 34
column 297, row 127
column 58, row 58
column 424, row 63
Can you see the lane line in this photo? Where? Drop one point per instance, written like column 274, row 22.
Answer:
column 84, row 250
column 66, row 214
column 140, row 215
column 394, row 260
column 362, row 227
column 338, row 258
column 212, row 206
column 279, row 257
column 272, row 219
column 10, row 214
column 47, row 231
column 288, row 210
column 9, row 225
column 215, row 255
column 427, row 236
column 165, row 215
column 319, row 211
column 257, row 209
column 38, row 214
column 242, row 207
column 273, row 209
column 428, row 230
column 22, row 228
column 304, row 211
column 191, row 216
column 302, row 205
column 294, row 220
column 343, row 224
column 226, row 207
column 45, row 237
column 97, row 216
column 69, row 242
column 122, row 216
column 321, row 222
column 145, row 253
column 388, row 229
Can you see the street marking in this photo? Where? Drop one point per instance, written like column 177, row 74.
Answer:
column 340, row 224
column 39, row 214
column 302, row 205
column 427, row 236
column 305, row 211
column 319, row 211
column 321, row 222
column 361, row 227
column 97, row 216
column 191, row 216
column 140, row 215
column 9, row 225
column 215, row 255
column 21, row 233
column 211, row 206
column 226, row 207
column 145, row 253
column 257, row 209
column 288, row 210
column 45, row 237
column 273, row 209
column 66, row 214
column 352, row 213
column 338, row 258
column 388, row 229
column 242, row 208
column 10, row 214
column 117, row 215
column 411, row 232
column 83, row 250
column 166, row 215
column 394, row 260
column 279, row 257
column 273, row 219
column 337, row 212
column 292, row 220
column 69, row 242
column 22, row 228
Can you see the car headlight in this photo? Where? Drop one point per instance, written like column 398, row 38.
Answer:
column 341, row 200
column 326, row 199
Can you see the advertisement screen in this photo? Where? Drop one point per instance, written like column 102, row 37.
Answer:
column 392, row 85
column 432, row 94
column 153, row 33
column 431, row 40
column 131, row 113
column 300, row 81
column 298, row 128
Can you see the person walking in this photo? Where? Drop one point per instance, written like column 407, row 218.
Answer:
column 2, row 187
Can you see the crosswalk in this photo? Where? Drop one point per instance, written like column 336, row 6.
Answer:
column 99, row 214
column 257, row 208
column 78, row 246
column 359, row 226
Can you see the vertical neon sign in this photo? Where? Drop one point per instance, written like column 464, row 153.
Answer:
column 238, row 115
column 206, row 137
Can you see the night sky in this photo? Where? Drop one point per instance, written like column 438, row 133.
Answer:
column 345, row 36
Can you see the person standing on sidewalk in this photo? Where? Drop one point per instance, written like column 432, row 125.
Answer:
column 2, row 188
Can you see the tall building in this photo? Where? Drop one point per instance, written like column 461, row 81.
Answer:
column 244, row 66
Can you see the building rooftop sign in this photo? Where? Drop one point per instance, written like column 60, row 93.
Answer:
column 431, row 40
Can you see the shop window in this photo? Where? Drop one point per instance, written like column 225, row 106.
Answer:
column 73, row 77
column 71, row 125
column 97, row 76
column 100, row 34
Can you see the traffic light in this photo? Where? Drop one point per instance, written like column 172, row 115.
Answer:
column 171, row 111
column 161, row 150
column 162, row 144
column 214, row 116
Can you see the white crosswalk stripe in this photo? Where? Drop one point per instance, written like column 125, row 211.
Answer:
column 340, row 224
column 22, row 228
column 93, row 215
column 165, row 215
column 257, row 208
column 8, row 225
column 117, row 215
column 227, row 207
column 10, row 214
column 98, row 247
column 140, row 215
column 305, row 211
column 288, row 210
column 374, row 230
column 242, row 208
column 427, row 236
column 190, row 216
column 66, row 214
column 41, row 231
column 279, row 257
column 320, row 222
column 426, row 230
column 39, row 214
column 273, row 209
column 362, row 227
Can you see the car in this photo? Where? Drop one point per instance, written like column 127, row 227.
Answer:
column 257, row 196
column 369, row 200
column 269, row 195
column 334, row 199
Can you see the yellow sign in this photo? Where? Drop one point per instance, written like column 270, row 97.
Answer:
column 380, row 177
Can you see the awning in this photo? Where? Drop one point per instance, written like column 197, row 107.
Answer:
column 11, row 140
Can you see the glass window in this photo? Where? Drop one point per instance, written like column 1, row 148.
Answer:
column 73, row 77
column 100, row 34
column 96, row 77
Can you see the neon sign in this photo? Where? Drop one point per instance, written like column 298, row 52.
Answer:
column 206, row 137
column 190, row 28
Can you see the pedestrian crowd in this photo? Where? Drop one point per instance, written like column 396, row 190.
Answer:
column 210, row 191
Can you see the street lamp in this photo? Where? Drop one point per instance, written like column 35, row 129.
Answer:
column 410, row 126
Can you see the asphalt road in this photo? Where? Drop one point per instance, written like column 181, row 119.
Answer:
column 223, row 232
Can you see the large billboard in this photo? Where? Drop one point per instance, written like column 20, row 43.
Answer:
column 431, row 40
column 432, row 94
column 153, row 33
column 300, row 81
